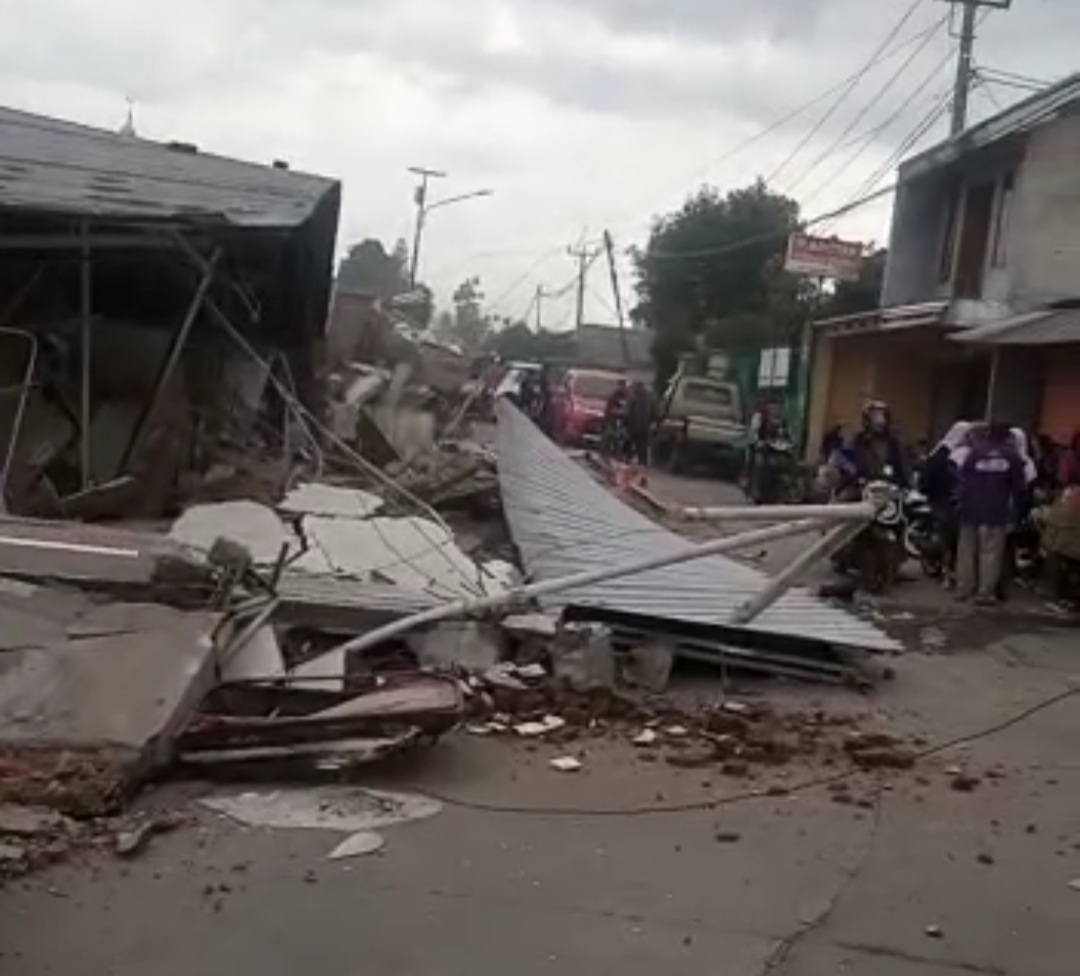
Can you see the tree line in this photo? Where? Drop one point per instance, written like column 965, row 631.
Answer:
column 711, row 275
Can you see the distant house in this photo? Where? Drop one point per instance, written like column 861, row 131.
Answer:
column 984, row 251
column 608, row 347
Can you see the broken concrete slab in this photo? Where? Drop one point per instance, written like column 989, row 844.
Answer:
column 90, row 555
column 464, row 643
column 584, row 659
column 647, row 666
column 255, row 527
column 257, row 659
column 331, row 501
column 125, row 693
column 413, row 553
column 17, row 820
column 31, row 615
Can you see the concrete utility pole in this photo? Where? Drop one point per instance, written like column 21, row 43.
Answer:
column 609, row 246
column 420, row 197
column 585, row 257
column 964, row 65
column 539, row 303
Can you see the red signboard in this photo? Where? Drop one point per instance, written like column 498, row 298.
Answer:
column 824, row 257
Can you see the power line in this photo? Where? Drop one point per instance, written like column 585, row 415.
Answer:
column 1036, row 83
column 874, row 100
column 772, row 127
column 910, row 141
column 847, row 89
column 771, row 235
column 868, row 138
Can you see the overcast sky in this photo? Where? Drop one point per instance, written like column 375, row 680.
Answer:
column 579, row 114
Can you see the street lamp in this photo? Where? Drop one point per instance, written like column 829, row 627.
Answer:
column 423, row 208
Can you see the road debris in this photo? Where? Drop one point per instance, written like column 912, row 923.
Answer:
column 565, row 764
column 549, row 723
column 361, row 843
column 131, row 841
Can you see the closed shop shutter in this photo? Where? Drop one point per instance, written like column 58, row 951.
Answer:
column 1060, row 414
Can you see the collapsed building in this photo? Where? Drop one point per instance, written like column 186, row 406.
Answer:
column 150, row 295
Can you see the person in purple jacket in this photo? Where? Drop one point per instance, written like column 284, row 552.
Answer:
column 991, row 487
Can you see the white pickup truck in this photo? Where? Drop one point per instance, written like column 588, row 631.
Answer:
column 700, row 422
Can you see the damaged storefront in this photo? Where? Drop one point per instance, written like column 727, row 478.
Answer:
column 147, row 293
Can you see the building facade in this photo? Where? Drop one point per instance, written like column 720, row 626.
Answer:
column 985, row 239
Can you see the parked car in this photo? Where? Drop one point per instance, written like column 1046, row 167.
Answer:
column 700, row 422
column 579, row 404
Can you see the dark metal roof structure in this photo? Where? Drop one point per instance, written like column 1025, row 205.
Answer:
column 563, row 522
column 48, row 165
column 1048, row 327
column 1022, row 117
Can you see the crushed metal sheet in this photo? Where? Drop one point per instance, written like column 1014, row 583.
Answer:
column 563, row 522
column 330, row 501
column 344, row 808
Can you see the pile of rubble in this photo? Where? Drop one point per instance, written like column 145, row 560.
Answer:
column 313, row 616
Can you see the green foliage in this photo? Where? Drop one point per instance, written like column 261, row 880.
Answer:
column 713, row 272
column 862, row 295
column 369, row 268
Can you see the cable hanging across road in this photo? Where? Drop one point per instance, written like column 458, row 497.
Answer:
column 870, row 64
column 874, row 100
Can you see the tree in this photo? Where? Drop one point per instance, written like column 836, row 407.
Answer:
column 861, row 295
column 369, row 268
column 712, row 272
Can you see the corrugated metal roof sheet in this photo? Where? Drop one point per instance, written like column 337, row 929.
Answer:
column 1045, row 328
column 1021, row 117
column 563, row 522
column 52, row 165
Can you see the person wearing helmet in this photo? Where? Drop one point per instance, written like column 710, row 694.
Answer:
column 876, row 450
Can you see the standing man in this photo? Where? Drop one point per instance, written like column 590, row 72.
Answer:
column 638, row 421
column 991, row 490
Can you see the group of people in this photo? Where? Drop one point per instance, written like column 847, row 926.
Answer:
column 983, row 481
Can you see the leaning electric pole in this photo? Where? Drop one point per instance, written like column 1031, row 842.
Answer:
column 585, row 257
column 964, row 60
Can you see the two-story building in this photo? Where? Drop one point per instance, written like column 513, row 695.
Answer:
column 983, row 264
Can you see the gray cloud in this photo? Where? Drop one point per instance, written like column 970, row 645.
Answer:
column 772, row 19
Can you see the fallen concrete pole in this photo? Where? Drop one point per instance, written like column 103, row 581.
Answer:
column 854, row 512
column 833, row 541
column 520, row 594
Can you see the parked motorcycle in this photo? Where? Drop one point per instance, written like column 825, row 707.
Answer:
column 923, row 537
column 875, row 555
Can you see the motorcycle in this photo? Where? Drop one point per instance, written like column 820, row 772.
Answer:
column 875, row 555
column 773, row 475
column 924, row 540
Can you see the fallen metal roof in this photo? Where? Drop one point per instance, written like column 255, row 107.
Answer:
column 1045, row 328
column 51, row 165
column 563, row 522
column 1024, row 116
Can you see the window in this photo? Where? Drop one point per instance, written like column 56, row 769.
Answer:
column 948, row 241
column 594, row 386
column 999, row 256
column 774, row 368
column 708, row 393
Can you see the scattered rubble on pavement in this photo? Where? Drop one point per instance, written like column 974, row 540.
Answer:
column 214, row 643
